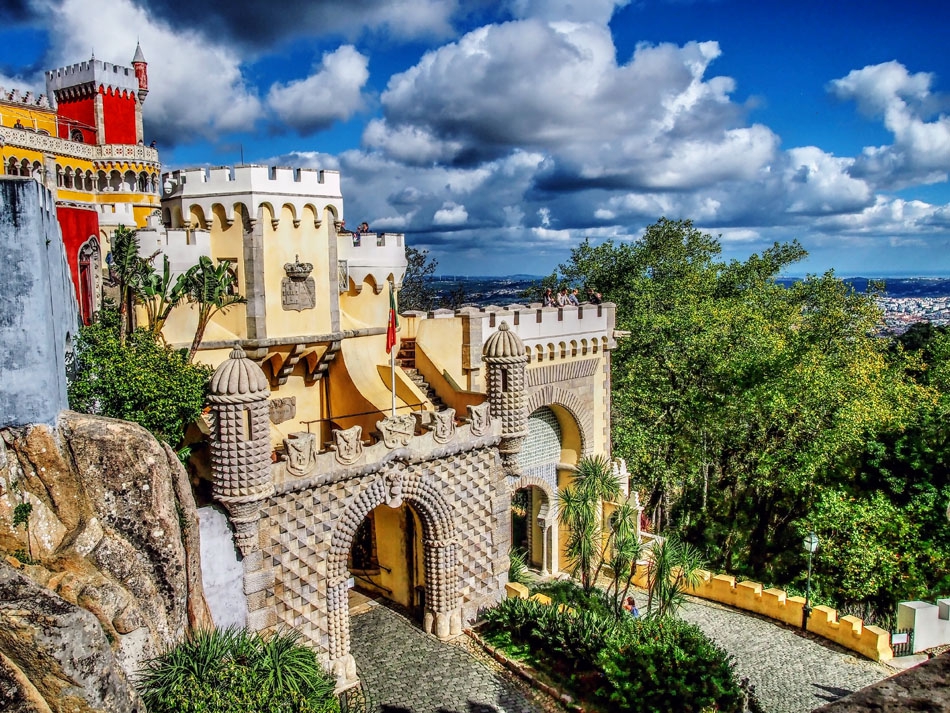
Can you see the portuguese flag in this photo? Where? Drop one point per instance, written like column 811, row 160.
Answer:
column 393, row 320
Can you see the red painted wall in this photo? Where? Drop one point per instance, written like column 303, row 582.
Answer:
column 82, row 111
column 118, row 108
column 76, row 225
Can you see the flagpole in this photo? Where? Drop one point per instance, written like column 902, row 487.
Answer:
column 392, row 353
column 392, row 378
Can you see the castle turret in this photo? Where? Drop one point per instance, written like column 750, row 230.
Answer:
column 141, row 71
column 240, row 447
column 505, row 358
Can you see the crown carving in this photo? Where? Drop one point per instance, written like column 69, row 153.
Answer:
column 297, row 270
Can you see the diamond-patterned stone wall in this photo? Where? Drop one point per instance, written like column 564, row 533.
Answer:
column 463, row 503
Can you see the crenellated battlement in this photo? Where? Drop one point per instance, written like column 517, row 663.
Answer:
column 92, row 71
column 252, row 178
column 375, row 255
column 16, row 97
column 304, row 191
column 547, row 332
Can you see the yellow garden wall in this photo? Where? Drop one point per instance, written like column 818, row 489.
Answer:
column 849, row 632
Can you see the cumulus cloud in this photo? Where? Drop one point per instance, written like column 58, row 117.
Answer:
column 333, row 92
column 450, row 214
column 654, row 122
column 596, row 11
column 921, row 149
column 200, row 88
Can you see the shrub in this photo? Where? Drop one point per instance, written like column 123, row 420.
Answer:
column 668, row 660
column 141, row 381
column 237, row 671
column 621, row 663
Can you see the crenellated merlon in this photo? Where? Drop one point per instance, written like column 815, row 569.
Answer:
column 191, row 196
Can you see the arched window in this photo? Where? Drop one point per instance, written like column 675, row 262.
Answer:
column 68, row 178
column 13, row 168
column 76, row 135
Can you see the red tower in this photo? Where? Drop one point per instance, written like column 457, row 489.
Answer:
column 99, row 102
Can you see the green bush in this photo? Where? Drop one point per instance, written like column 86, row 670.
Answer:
column 237, row 671
column 667, row 660
column 141, row 381
column 622, row 664
column 572, row 594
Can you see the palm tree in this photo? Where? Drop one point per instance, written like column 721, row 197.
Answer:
column 579, row 509
column 625, row 549
column 674, row 567
column 211, row 287
column 160, row 296
column 128, row 271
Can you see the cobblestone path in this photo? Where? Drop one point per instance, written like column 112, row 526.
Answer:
column 405, row 671
column 791, row 673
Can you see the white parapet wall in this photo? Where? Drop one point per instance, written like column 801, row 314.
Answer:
column 253, row 186
column 930, row 622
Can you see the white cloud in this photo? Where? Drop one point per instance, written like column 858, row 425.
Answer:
column 333, row 92
column 450, row 214
column 596, row 11
column 199, row 89
column 921, row 149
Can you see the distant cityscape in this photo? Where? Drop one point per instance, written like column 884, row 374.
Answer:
column 907, row 299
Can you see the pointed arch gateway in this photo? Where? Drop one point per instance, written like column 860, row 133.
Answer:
column 397, row 484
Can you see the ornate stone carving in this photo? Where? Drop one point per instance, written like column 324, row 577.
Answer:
column 298, row 296
column 394, row 489
column 397, row 430
column 444, row 425
column 301, row 453
column 347, row 443
column 480, row 418
column 283, row 409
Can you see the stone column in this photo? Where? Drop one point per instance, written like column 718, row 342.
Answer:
column 254, row 279
column 241, row 469
column 442, row 616
column 342, row 663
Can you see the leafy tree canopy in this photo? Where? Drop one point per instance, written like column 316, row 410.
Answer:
column 739, row 401
column 141, row 381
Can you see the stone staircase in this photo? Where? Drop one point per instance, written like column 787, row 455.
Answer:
column 406, row 360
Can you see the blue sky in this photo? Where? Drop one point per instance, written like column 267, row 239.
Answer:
column 498, row 135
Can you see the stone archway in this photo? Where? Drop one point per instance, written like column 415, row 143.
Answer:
column 90, row 279
column 395, row 485
column 549, row 395
column 546, row 519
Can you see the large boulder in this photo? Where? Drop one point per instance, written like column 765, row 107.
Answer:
column 111, row 527
column 56, row 656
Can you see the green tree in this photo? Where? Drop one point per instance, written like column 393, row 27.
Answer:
column 416, row 292
column 734, row 396
column 139, row 380
column 212, row 288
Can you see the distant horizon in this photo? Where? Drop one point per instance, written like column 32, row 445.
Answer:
column 790, row 276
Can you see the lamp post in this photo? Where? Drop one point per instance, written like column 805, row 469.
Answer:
column 811, row 544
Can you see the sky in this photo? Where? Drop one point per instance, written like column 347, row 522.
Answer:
column 499, row 135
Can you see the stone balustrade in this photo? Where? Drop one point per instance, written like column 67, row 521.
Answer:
column 25, row 138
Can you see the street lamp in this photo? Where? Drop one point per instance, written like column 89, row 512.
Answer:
column 811, row 544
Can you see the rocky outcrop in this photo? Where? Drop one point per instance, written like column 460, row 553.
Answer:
column 111, row 528
column 56, row 655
